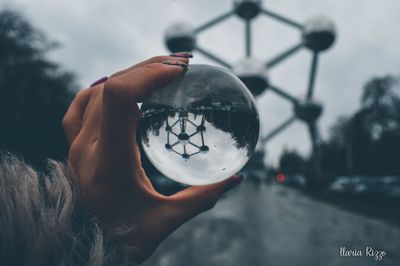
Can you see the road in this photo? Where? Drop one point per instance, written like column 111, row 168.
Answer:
column 275, row 225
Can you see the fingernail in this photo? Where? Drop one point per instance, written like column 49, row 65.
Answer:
column 175, row 63
column 182, row 54
column 99, row 81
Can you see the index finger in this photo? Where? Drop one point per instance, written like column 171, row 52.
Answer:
column 121, row 115
column 155, row 59
column 73, row 118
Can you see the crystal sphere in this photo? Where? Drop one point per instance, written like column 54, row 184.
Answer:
column 202, row 128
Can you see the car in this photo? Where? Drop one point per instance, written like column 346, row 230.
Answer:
column 392, row 186
column 344, row 184
column 296, row 180
column 370, row 186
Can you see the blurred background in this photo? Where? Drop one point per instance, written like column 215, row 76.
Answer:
column 294, row 208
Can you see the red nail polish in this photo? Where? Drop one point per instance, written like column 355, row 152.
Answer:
column 99, row 81
column 182, row 54
column 175, row 63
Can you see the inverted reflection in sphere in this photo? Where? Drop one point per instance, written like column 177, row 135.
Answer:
column 202, row 128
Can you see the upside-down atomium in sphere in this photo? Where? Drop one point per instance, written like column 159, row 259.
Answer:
column 202, row 128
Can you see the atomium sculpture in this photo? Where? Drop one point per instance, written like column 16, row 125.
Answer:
column 317, row 35
column 183, row 138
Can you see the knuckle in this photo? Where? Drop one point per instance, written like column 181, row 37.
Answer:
column 74, row 148
column 84, row 93
column 113, row 89
column 158, row 59
column 66, row 122
column 157, row 70
column 152, row 66
column 81, row 93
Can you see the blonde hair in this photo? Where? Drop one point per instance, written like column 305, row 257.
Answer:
column 43, row 223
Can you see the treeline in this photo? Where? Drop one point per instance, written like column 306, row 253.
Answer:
column 34, row 92
column 365, row 143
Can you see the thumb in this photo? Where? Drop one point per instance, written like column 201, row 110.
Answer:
column 197, row 199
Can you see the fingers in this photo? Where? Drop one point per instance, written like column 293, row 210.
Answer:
column 157, row 59
column 121, row 115
column 72, row 121
column 75, row 116
column 137, row 84
column 197, row 199
column 182, row 57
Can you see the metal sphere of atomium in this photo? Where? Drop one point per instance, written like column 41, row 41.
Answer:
column 180, row 37
column 319, row 33
column 253, row 74
column 308, row 111
column 247, row 9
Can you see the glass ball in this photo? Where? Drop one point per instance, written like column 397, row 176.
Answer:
column 202, row 128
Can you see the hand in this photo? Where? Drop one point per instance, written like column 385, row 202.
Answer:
column 100, row 126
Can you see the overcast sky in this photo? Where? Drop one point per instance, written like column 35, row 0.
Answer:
column 100, row 37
